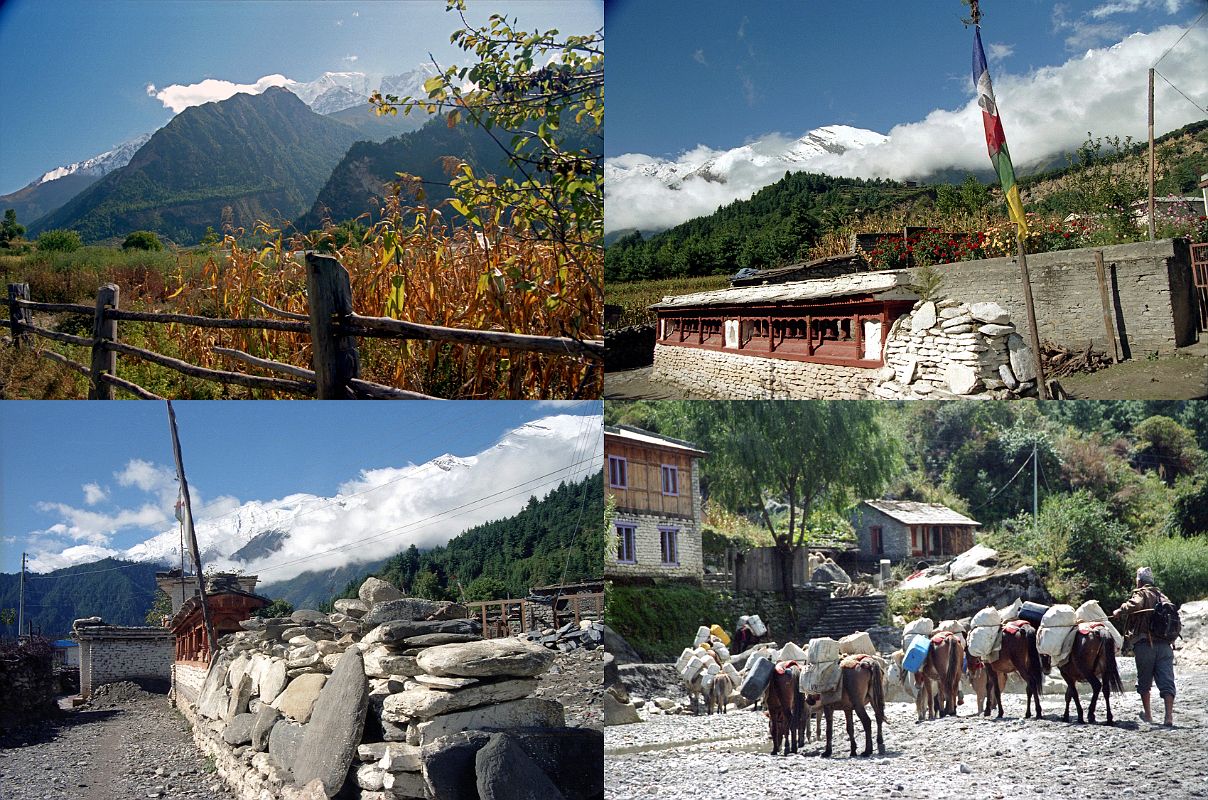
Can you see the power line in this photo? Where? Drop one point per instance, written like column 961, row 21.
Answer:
column 1180, row 91
column 1168, row 49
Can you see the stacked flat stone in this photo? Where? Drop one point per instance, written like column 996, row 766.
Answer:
column 588, row 634
column 952, row 349
column 370, row 696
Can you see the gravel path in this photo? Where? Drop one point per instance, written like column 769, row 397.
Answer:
column 133, row 746
column 962, row 757
column 576, row 679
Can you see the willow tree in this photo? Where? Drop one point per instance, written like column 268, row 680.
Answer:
column 527, row 88
column 815, row 456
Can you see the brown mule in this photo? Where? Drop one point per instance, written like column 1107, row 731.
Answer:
column 862, row 683
column 943, row 665
column 1092, row 659
column 979, row 679
column 1019, row 654
column 785, row 709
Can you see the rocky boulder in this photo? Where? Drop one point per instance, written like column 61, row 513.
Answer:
column 375, row 590
column 284, row 740
column 527, row 712
column 353, row 608
column 336, row 725
column 621, row 650
column 486, row 659
column 239, row 730
column 298, row 699
column 505, row 772
column 412, row 608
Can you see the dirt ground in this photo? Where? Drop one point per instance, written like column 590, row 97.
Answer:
column 676, row 756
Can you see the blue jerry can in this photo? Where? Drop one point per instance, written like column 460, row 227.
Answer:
column 916, row 653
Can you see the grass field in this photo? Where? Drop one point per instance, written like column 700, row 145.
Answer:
column 635, row 297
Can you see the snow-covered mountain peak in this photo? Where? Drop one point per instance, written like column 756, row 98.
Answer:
column 99, row 165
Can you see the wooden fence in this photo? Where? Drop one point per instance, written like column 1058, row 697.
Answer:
column 510, row 617
column 332, row 324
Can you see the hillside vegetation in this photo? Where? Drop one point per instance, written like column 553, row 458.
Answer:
column 119, row 591
column 556, row 537
column 806, row 216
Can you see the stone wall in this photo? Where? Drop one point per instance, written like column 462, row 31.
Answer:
column 895, row 535
column 1150, row 292
column 949, row 348
column 774, row 610
column 187, row 678
column 648, row 552
column 29, row 683
column 387, row 697
column 109, row 654
column 718, row 375
column 629, row 347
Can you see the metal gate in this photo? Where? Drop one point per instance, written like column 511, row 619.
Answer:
column 1199, row 275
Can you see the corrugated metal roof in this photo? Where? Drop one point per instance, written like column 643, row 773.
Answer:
column 887, row 285
column 646, row 437
column 912, row 512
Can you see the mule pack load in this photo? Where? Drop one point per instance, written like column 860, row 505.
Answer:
column 985, row 637
column 759, row 673
column 1056, row 635
column 916, row 652
column 822, row 672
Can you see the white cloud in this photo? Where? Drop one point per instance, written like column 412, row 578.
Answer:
column 1133, row 6
column 178, row 97
column 1046, row 112
column 46, row 561
column 998, row 52
column 95, row 528
column 699, row 57
column 351, row 59
column 339, row 23
column 93, row 494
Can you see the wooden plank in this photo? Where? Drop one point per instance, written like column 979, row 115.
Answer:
column 18, row 316
column 378, row 391
column 218, row 376
column 1109, row 327
column 400, row 329
column 104, row 330
column 25, row 302
column 66, row 338
column 264, row 363
column 279, row 312
column 209, row 322
column 62, row 359
column 336, row 360
column 133, row 388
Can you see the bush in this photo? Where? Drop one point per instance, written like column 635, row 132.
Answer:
column 1180, row 566
column 142, row 240
column 1086, row 546
column 660, row 620
column 59, row 241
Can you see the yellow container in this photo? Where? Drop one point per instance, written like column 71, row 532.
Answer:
column 717, row 631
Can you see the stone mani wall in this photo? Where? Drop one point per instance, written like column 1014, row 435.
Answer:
column 950, row 348
column 717, row 375
column 1150, row 291
column 629, row 347
column 187, row 679
column 29, row 686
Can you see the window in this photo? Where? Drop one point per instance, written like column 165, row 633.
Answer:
column 670, row 479
column 626, row 533
column 617, row 478
column 916, row 547
column 878, row 543
column 668, row 543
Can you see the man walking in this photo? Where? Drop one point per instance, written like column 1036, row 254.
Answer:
column 1155, row 656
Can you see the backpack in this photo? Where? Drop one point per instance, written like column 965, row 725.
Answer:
column 1164, row 623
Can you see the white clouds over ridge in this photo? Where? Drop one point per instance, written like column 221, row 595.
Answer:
column 179, row 97
column 1045, row 112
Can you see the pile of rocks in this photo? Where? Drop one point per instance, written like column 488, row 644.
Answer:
column 588, row 634
column 949, row 348
column 389, row 696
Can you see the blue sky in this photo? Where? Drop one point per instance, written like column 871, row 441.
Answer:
column 687, row 81
column 103, row 468
column 66, row 102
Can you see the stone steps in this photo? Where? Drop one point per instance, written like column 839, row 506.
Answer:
column 847, row 615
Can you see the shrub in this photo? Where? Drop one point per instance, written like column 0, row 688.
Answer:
column 59, row 241
column 142, row 240
column 1180, row 566
column 660, row 620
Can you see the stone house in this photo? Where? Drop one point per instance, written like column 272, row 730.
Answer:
column 655, row 483
column 910, row 531
column 110, row 653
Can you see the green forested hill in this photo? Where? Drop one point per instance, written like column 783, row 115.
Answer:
column 119, row 591
column 506, row 557
column 259, row 156
column 363, row 177
column 777, row 225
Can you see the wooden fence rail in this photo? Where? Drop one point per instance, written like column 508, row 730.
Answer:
column 332, row 325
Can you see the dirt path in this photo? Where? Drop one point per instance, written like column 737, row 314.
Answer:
column 636, row 384
column 1182, row 376
column 961, row 757
column 142, row 748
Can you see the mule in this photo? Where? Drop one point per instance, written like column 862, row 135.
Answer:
column 943, row 664
column 861, row 683
column 696, row 689
column 1092, row 659
column 1018, row 654
column 979, row 678
column 718, row 695
column 785, row 709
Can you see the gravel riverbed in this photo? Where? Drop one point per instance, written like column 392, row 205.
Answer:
column 677, row 756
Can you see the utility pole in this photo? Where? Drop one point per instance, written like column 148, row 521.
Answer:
column 193, row 550
column 1151, row 158
column 21, row 602
column 1035, row 486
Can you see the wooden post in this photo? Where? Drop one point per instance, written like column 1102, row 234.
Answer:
column 17, row 315
column 1105, row 301
column 1151, row 159
column 1034, row 335
column 103, row 330
column 192, row 533
column 336, row 360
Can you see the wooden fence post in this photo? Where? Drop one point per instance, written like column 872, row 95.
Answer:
column 336, row 360
column 104, row 330
column 17, row 315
